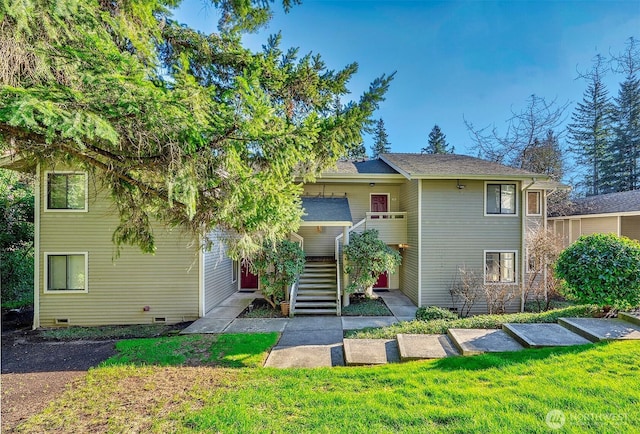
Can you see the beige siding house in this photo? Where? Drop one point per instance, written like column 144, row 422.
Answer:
column 441, row 212
column 81, row 281
column 615, row 213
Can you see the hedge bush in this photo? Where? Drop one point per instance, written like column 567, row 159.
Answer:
column 429, row 313
column 440, row 326
column 601, row 269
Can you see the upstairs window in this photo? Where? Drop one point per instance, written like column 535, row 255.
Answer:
column 66, row 191
column 533, row 203
column 501, row 199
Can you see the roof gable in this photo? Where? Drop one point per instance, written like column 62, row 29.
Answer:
column 416, row 166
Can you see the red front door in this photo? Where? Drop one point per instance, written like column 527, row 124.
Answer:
column 379, row 203
column 383, row 281
column 248, row 280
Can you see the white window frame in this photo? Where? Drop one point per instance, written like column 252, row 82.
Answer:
column 235, row 270
column 66, row 291
column 515, row 267
column 539, row 193
column 68, row 172
column 516, row 196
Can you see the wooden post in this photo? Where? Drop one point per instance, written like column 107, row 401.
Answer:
column 345, row 276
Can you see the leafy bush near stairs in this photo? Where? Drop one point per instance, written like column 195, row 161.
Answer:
column 602, row 269
column 428, row 313
column 480, row 322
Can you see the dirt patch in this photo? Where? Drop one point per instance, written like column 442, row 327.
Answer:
column 260, row 308
column 24, row 395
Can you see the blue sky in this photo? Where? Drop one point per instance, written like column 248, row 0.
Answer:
column 473, row 59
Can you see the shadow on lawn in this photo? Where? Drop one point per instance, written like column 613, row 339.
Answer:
column 501, row 360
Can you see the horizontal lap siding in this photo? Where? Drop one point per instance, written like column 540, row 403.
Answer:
column 358, row 196
column 456, row 233
column 408, row 276
column 599, row 225
column 630, row 227
column 323, row 243
column 218, row 274
column 119, row 288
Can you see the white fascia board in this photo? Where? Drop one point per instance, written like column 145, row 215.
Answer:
column 587, row 216
column 326, row 223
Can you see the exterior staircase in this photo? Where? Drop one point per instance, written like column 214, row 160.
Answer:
column 317, row 290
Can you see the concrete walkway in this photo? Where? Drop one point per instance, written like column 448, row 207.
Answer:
column 317, row 341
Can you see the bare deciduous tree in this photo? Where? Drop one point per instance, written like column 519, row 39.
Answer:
column 526, row 130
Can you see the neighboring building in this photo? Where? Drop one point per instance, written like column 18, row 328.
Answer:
column 615, row 213
column 442, row 212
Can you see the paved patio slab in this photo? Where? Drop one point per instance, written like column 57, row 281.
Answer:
column 310, row 337
column 370, row 351
column 225, row 312
column 311, row 356
column 207, row 325
column 240, row 300
column 478, row 341
column 361, row 322
column 601, row 329
column 633, row 317
column 403, row 311
column 257, row 325
column 543, row 335
column 314, row 323
column 418, row 347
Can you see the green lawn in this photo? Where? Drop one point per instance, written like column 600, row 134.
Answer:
column 594, row 386
column 232, row 350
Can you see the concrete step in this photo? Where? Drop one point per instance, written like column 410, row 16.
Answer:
column 305, row 286
column 543, row 335
column 319, row 264
column 307, row 279
column 308, row 311
column 601, row 329
column 314, row 304
column 632, row 317
column 370, row 351
column 317, row 292
column 420, row 347
column 327, row 297
column 318, row 275
column 479, row 341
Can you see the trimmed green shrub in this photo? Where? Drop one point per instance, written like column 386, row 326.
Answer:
column 440, row 326
column 601, row 269
column 278, row 265
column 429, row 313
column 367, row 258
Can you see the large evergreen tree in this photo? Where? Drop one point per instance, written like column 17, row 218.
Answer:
column 381, row 143
column 624, row 148
column 437, row 143
column 191, row 129
column 544, row 156
column 590, row 130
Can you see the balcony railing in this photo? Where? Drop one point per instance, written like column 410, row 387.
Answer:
column 391, row 226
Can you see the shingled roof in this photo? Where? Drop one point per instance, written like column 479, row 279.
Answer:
column 371, row 167
column 626, row 201
column 450, row 165
column 323, row 210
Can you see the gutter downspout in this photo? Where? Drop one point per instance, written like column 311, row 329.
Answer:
column 523, row 249
column 36, row 251
column 420, row 270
